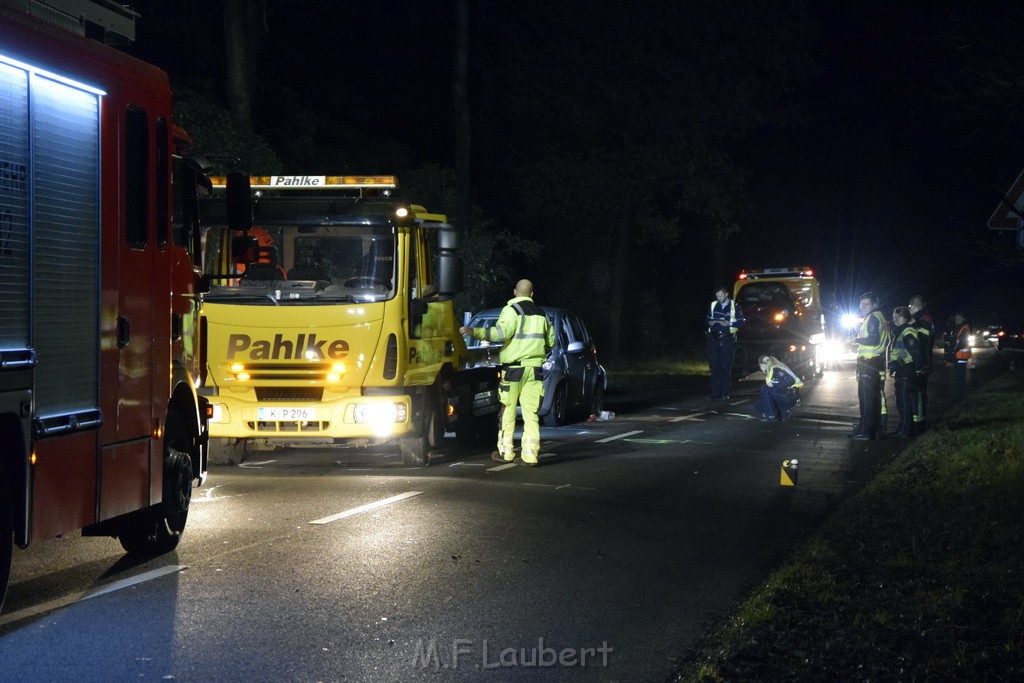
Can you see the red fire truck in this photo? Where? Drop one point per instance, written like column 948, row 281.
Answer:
column 101, row 428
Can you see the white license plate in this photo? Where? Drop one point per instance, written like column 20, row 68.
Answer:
column 285, row 413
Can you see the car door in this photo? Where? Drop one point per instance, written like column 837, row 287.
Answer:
column 579, row 367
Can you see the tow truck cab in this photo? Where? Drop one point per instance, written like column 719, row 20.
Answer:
column 784, row 318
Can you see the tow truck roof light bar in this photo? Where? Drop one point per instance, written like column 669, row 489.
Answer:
column 314, row 182
column 805, row 271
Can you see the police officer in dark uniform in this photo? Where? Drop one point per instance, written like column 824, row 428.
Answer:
column 904, row 365
column 724, row 320
column 925, row 328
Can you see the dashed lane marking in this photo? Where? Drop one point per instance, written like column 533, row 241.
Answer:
column 619, row 436
column 366, row 508
column 559, row 487
column 499, row 468
column 697, row 417
column 135, row 580
column 256, row 465
column 67, row 601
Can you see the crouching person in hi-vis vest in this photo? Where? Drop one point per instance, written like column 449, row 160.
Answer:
column 527, row 337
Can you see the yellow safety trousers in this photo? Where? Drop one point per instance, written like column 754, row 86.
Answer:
column 527, row 392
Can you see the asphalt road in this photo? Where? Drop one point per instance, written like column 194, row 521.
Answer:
column 328, row 564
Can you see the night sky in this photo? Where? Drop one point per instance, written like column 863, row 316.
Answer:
column 883, row 179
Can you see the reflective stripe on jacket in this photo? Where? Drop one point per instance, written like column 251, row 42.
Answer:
column 963, row 343
column 872, row 343
column 526, row 332
column 735, row 315
column 899, row 353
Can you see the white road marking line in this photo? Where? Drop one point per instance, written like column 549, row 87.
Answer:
column 499, row 468
column 367, row 507
column 206, row 495
column 559, row 487
column 749, row 417
column 67, row 601
column 842, row 423
column 468, row 464
column 620, row 436
column 699, row 417
column 135, row 580
column 256, row 465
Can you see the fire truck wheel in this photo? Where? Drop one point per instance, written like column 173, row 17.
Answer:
column 416, row 449
column 559, row 408
column 158, row 529
column 6, row 537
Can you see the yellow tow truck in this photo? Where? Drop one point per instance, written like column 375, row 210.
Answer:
column 333, row 322
column 784, row 318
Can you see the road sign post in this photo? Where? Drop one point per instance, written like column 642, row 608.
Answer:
column 1009, row 212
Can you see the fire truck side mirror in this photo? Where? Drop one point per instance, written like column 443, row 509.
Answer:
column 239, row 202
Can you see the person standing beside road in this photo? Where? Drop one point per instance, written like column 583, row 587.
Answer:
column 527, row 337
column 904, row 365
column 871, row 344
column 925, row 328
column 958, row 354
column 723, row 322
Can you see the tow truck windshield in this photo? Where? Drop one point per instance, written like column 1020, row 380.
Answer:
column 307, row 265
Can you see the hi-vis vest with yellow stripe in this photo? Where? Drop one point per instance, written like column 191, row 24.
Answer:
column 525, row 332
column 899, row 350
column 732, row 314
column 873, row 350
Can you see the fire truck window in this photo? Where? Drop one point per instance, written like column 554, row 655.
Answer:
column 136, row 175
column 162, row 170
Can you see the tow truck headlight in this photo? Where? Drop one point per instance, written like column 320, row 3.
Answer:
column 380, row 413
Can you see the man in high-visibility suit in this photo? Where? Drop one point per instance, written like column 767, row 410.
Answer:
column 527, row 337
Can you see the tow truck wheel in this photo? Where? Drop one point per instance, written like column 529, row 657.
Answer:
column 416, row 449
column 559, row 408
column 228, row 451
column 6, row 537
column 158, row 528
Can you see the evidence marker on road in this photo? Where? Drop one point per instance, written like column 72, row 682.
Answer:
column 788, row 474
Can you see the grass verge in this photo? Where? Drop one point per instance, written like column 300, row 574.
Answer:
column 919, row 576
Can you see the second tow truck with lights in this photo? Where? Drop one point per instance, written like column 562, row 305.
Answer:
column 338, row 326
column 784, row 318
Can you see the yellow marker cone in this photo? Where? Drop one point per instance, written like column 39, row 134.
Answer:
column 788, row 475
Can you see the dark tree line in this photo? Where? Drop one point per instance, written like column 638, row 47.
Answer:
column 590, row 146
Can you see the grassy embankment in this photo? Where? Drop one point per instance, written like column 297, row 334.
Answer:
column 919, row 576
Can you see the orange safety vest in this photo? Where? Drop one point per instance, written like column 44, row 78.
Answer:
column 964, row 353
